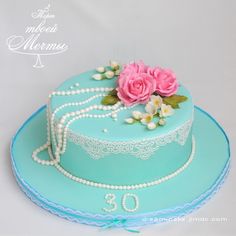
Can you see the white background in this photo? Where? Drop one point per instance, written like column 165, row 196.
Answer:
column 197, row 39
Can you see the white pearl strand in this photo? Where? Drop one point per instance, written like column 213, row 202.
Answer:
column 62, row 134
column 80, row 114
column 67, row 105
column 55, row 161
column 80, row 91
column 47, row 145
column 134, row 186
column 51, row 121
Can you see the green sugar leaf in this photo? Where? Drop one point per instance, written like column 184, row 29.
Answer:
column 109, row 100
column 174, row 100
column 113, row 92
column 156, row 115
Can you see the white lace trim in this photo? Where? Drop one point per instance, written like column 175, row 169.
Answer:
column 141, row 149
column 128, row 187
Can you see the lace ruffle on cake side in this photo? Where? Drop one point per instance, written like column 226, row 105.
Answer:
column 142, row 149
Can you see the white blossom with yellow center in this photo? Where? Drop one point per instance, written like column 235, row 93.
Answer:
column 156, row 101
column 150, row 108
column 166, row 110
column 146, row 118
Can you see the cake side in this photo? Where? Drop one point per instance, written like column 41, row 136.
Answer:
column 125, row 154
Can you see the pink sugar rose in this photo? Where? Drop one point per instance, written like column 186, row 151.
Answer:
column 138, row 67
column 166, row 83
column 137, row 82
column 134, row 85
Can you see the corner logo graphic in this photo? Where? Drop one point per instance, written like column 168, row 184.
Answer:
column 32, row 43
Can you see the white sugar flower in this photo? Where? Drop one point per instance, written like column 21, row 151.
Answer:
column 117, row 72
column 109, row 74
column 97, row 77
column 161, row 122
column 166, row 110
column 137, row 115
column 146, row 118
column 114, row 65
column 156, row 101
column 129, row 120
column 151, row 125
column 100, row 69
column 150, row 108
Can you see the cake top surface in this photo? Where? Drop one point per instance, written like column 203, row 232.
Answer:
column 116, row 127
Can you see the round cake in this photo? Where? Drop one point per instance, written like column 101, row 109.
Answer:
column 120, row 146
column 107, row 150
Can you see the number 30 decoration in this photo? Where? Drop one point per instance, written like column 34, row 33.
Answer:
column 111, row 200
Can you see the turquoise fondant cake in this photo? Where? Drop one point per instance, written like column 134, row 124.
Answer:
column 107, row 150
column 126, row 134
column 94, row 144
